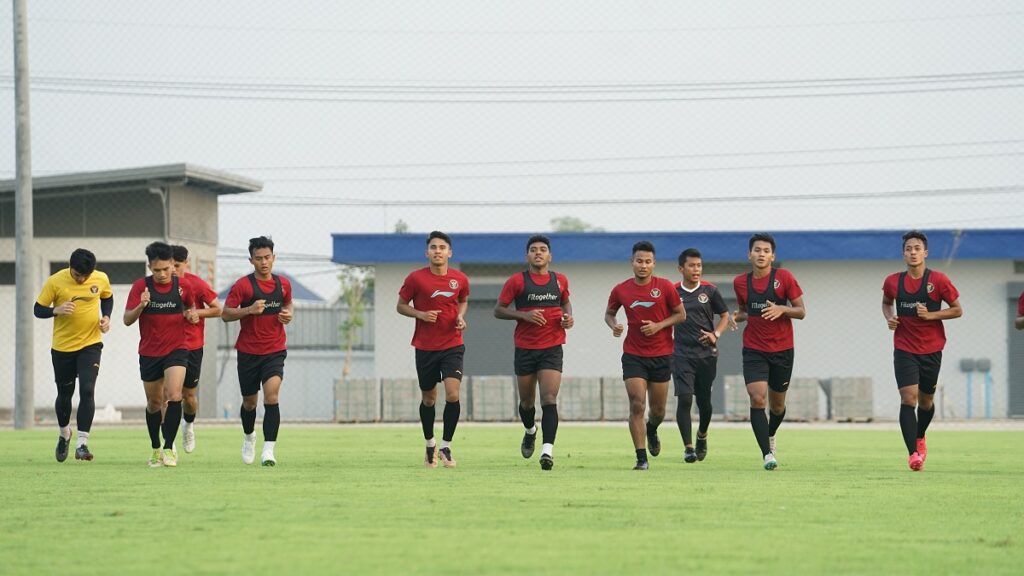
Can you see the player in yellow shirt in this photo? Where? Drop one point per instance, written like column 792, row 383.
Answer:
column 79, row 300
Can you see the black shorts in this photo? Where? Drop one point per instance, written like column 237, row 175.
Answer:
column 255, row 369
column 920, row 369
column 650, row 368
column 433, row 366
column 83, row 364
column 531, row 361
column 776, row 368
column 694, row 375
column 194, row 368
column 151, row 368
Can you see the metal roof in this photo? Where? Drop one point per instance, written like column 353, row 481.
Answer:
column 216, row 181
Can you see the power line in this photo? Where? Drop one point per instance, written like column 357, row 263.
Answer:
column 297, row 202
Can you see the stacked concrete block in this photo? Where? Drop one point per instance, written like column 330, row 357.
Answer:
column 852, row 399
column 494, row 399
column 357, row 400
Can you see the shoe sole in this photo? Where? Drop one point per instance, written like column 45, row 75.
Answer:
column 701, row 457
column 270, row 463
column 771, row 465
column 690, row 459
column 546, row 464
column 448, row 463
column 87, row 457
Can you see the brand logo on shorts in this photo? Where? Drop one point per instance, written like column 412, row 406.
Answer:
column 931, row 287
column 641, row 304
column 702, row 298
column 442, row 293
column 655, row 293
column 453, row 284
column 94, row 289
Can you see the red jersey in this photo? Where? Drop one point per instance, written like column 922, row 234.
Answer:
column 195, row 333
column 760, row 334
column 913, row 334
column 653, row 301
column 162, row 324
column 429, row 291
column 264, row 333
column 547, row 293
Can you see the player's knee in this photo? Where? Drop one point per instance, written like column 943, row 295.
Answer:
column 249, row 403
column 548, row 399
column 637, row 407
column 154, row 405
column 686, row 400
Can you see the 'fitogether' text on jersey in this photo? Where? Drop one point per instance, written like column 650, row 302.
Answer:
column 913, row 334
column 546, row 293
column 261, row 333
column 162, row 323
column 779, row 287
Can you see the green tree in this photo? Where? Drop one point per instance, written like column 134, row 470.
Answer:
column 356, row 284
column 572, row 224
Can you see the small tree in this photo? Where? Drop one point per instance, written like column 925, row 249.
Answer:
column 356, row 283
column 572, row 224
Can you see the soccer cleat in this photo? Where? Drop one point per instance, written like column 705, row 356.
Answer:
column 702, row 448
column 156, row 459
column 922, row 449
column 190, row 438
column 445, row 454
column 267, row 459
column 690, row 456
column 62, row 449
column 82, row 453
column 770, row 463
column 546, row 462
column 170, row 458
column 653, row 442
column 641, row 465
column 529, row 441
column 249, row 448
column 428, row 460
column 771, row 444
column 916, row 462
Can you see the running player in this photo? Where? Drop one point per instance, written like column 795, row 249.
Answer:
column 207, row 306
column 918, row 338
column 437, row 297
column 262, row 301
column 695, row 361
column 652, row 305
column 767, row 339
column 159, row 302
column 80, row 301
column 542, row 314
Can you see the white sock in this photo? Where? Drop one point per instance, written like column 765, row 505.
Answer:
column 188, row 425
column 251, row 437
column 83, row 439
column 432, row 443
column 445, row 444
column 65, row 432
column 268, row 446
column 548, row 449
column 532, row 431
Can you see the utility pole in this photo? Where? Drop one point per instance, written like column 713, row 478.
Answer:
column 24, row 398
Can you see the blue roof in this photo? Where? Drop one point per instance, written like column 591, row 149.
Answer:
column 299, row 290
column 983, row 244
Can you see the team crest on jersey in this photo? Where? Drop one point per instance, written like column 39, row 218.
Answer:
column 453, row 284
column 702, row 298
column 931, row 287
column 655, row 293
column 777, row 284
column 94, row 289
column 180, row 291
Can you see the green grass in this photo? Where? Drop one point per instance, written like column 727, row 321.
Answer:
column 356, row 500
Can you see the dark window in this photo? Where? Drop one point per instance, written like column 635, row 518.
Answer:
column 117, row 272
column 6, row 273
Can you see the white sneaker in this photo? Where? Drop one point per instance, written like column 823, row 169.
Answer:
column 769, row 462
column 249, row 448
column 267, row 459
column 190, row 438
column 771, row 445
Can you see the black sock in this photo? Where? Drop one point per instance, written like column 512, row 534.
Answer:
column 759, row 422
column 528, row 416
column 908, row 425
column 774, row 421
column 683, row 418
column 172, row 420
column 190, row 418
column 704, row 408
column 248, row 420
column 652, row 427
column 641, row 455
column 271, row 422
column 924, row 418
column 427, row 420
column 451, row 419
column 63, row 403
column 153, row 425
column 549, row 422
column 86, row 404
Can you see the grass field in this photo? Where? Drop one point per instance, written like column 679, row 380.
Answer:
column 356, row 500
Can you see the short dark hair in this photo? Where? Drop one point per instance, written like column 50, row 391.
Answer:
column 688, row 253
column 538, row 238
column 159, row 251
column 762, row 237
column 83, row 261
column 915, row 234
column 180, row 253
column 440, row 235
column 643, row 246
column 260, row 242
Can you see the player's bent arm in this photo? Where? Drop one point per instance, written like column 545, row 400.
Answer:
column 609, row 318
column 233, row 314
column 678, row 317
column 42, row 312
column 405, row 309
column 503, row 312
column 131, row 315
column 106, row 307
column 213, row 309
column 954, row 311
column 723, row 325
column 888, row 310
column 739, row 316
column 796, row 310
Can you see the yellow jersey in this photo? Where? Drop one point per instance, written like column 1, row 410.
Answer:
column 81, row 328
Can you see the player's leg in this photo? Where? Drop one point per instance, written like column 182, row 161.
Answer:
column 451, row 373
column 780, row 371
column 705, row 380
column 271, row 418
column 174, row 378
column 657, row 399
column 190, row 397
column 88, row 367
column 683, row 379
column 550, row 383
column 755, row 374
column 64, row 374
column 636, row 390
column 249, row 386
column 154, row 404
column 526, row 381
column 429, row 374
column 930, row 366
column 908, row 374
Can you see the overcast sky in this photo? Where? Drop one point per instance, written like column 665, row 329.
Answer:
column 357, row 114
